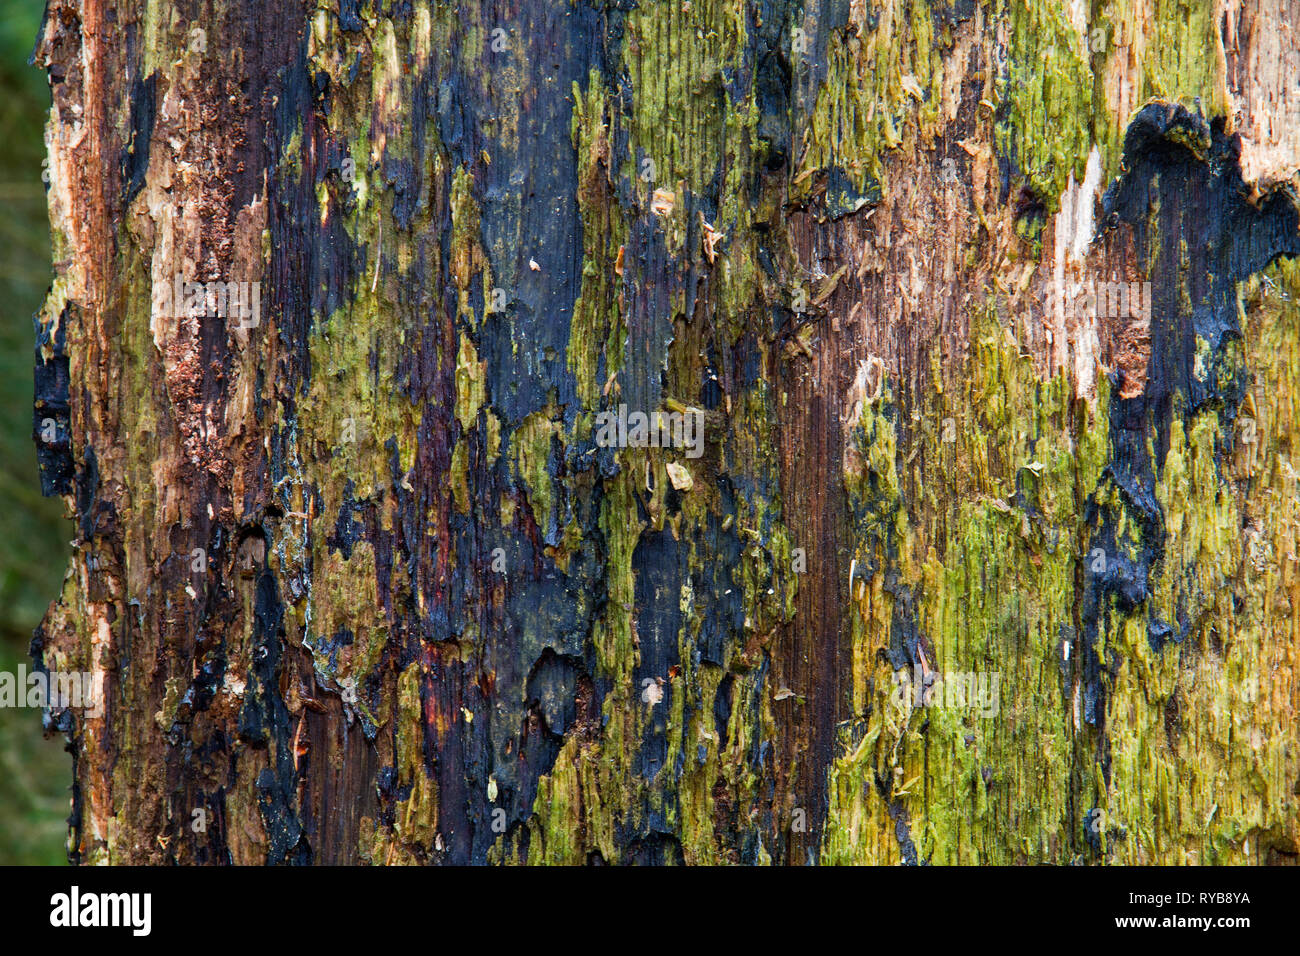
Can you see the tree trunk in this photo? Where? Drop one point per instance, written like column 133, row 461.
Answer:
column 989, row 551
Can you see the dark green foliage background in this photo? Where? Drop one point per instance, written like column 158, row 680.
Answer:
column 34, row 772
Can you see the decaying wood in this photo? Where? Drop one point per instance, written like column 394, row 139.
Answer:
column 990, row 313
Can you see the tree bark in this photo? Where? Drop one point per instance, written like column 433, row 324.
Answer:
column 990, row 310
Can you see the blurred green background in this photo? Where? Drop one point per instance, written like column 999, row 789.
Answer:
column 35, row 773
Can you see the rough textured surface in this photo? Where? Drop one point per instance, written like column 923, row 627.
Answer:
column 436, row 621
